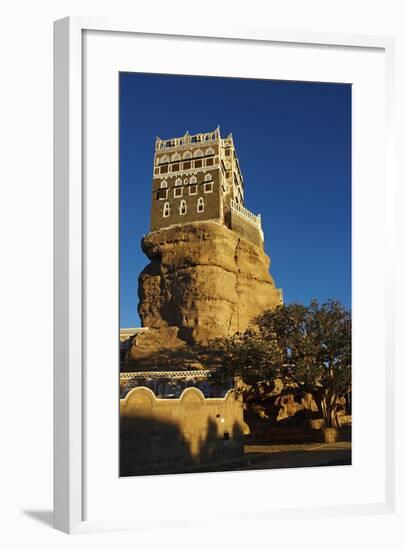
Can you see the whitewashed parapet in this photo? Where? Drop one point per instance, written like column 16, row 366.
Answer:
column 248, row 215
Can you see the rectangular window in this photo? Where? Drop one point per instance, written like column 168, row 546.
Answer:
column 164, row 169
column 162, row 194
column 175, row 167
column 209, row 162
column 198, row 163
column 192, row 190
column 186, row 165
column 208, row 187
column 227, row 152
column 178, row 192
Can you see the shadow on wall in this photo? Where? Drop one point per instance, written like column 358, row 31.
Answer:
column 160, row 436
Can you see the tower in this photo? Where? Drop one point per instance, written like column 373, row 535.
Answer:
column 208, row 274
column 198, row 178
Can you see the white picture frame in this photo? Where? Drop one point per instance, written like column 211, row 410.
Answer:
column 69, row 217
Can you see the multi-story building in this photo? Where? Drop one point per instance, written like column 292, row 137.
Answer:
column 198, row 178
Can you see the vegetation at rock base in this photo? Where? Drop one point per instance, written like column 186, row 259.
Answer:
column 307, row 347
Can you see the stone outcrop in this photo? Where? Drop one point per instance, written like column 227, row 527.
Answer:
column 204, row 281
column 162, row 349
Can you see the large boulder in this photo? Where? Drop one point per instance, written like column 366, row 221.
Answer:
column 204, row 279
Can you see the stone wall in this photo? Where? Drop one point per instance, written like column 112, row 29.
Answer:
column 244, row 228
column 178, row 435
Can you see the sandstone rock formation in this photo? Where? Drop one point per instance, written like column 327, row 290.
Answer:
column 204, row 281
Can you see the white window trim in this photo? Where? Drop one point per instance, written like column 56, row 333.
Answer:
column 178, row 192
column 166, row 210
column 167, row 191
column 200, row 203
column 178, row 182
column 163, row 184
column 206, row 184
column 183, row 205
column 190, row 189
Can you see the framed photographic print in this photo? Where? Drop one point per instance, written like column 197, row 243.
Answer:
column 187, row 363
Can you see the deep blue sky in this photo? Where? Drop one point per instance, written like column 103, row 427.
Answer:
column 293, row 140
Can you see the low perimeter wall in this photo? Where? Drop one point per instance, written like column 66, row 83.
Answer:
column 177, row 435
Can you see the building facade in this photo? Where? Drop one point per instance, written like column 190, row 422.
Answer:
column 198, row 178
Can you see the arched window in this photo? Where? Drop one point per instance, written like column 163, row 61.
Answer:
column 198, row 153
column 166, row 210
column 209, row 151
column 187, row 155
column 163, row 159
column 163, row 184
column 183, row 208
column 200, row 205
column 207, row 177
column 175, row 157
column 193, row 179
column 177, row 182
column 185, row 181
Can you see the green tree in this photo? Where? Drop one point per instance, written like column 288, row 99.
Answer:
column 308, row 347
column 247, row 356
